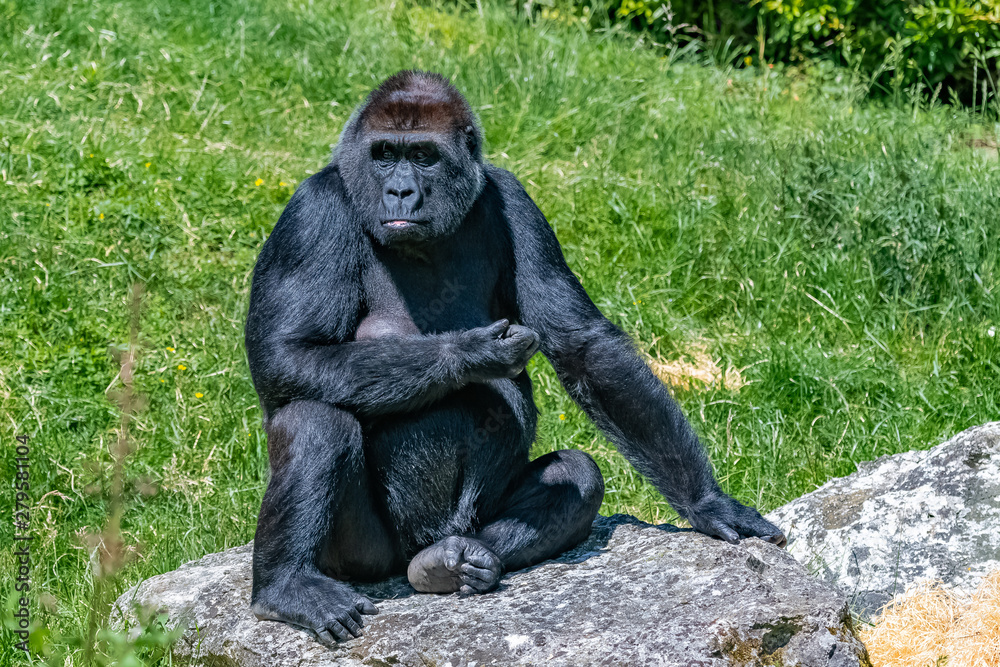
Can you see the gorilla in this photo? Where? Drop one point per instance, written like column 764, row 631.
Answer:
column 392, row 312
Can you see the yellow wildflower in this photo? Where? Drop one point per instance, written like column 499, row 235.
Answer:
column 259, row 182
column 148, row 165
column 282, row 184
column 562, row 417
column 199, row 395
column 100, row 217
column 181, row 367
column 170, row 349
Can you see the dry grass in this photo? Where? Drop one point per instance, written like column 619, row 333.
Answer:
column 933, row 625
column 698, row 370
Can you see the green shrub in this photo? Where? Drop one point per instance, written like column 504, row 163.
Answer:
column 933, row 42
column 951, row 44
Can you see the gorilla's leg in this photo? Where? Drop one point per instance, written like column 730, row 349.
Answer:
column 548, row 511
column 317, row 518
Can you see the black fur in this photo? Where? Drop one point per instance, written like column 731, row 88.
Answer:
column 392, row 312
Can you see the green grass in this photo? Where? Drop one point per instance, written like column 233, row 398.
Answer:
column 843, row 254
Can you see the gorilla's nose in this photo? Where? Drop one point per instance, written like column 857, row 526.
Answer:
column 401, row 196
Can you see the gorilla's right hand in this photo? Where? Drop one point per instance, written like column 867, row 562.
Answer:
column 500, row 350
column 311, row 600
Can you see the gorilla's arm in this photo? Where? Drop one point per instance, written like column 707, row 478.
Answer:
column 600, row 369
column 379, row 376
column 305, row 303
column 368, row 377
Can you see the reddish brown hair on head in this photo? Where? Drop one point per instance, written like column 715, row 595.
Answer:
column 413, row 100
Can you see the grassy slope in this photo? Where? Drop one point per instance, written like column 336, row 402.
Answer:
column 844, row 255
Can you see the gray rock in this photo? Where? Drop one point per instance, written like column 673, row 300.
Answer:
column 904, row 519
column 632, row 594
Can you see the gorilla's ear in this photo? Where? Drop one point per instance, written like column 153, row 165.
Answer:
column 472, row 140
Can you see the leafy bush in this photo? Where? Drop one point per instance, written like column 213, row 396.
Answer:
column 935, row 42
column 954, row 44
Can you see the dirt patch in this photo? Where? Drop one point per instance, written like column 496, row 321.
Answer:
column 987, row 148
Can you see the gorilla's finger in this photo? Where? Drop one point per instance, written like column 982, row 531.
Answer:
column 451, row 556
column 525, row 334
column 498, row 329
column 720, row 529
column 325, row 637
column 480, row 586
column 466, row 590
column 339, row 631
column 352, row 625
column 482, row 559
column 365, row 606
column 778, row 540
column 523, row 339
column 486, row 576
column 751, row 524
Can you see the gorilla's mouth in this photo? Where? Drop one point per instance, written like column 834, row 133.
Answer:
column 400, row 224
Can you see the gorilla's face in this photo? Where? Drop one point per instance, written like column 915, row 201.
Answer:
column 413, row 187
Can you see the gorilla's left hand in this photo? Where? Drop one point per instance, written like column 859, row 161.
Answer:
column 721, row 516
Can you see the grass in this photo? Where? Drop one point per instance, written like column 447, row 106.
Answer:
column 932, row 624
column 842, row 255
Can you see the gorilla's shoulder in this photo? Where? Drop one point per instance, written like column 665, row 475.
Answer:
column 501, row 180
column 316, row 227
column 508, row 198
column 317, row 208
column 326, row 185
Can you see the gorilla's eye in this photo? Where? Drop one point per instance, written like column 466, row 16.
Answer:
column 423, row 155
column 383, row 153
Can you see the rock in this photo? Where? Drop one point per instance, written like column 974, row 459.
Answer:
column 904, row 519
column 632, row 594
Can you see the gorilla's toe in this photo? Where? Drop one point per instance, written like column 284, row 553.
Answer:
column 461, row 564
column 329, row 608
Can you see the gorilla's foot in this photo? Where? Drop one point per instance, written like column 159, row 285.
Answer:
column 313, row 601
column 455, row 563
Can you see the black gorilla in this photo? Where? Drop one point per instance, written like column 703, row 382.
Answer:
column 392, row 313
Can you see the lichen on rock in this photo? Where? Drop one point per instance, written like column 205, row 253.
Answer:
column 903, row 520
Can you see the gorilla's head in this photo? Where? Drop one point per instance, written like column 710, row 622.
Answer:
column 411, row 158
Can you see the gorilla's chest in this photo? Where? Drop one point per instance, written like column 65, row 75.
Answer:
column 453, row 291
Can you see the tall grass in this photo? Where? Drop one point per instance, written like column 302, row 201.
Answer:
column 843, row 255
